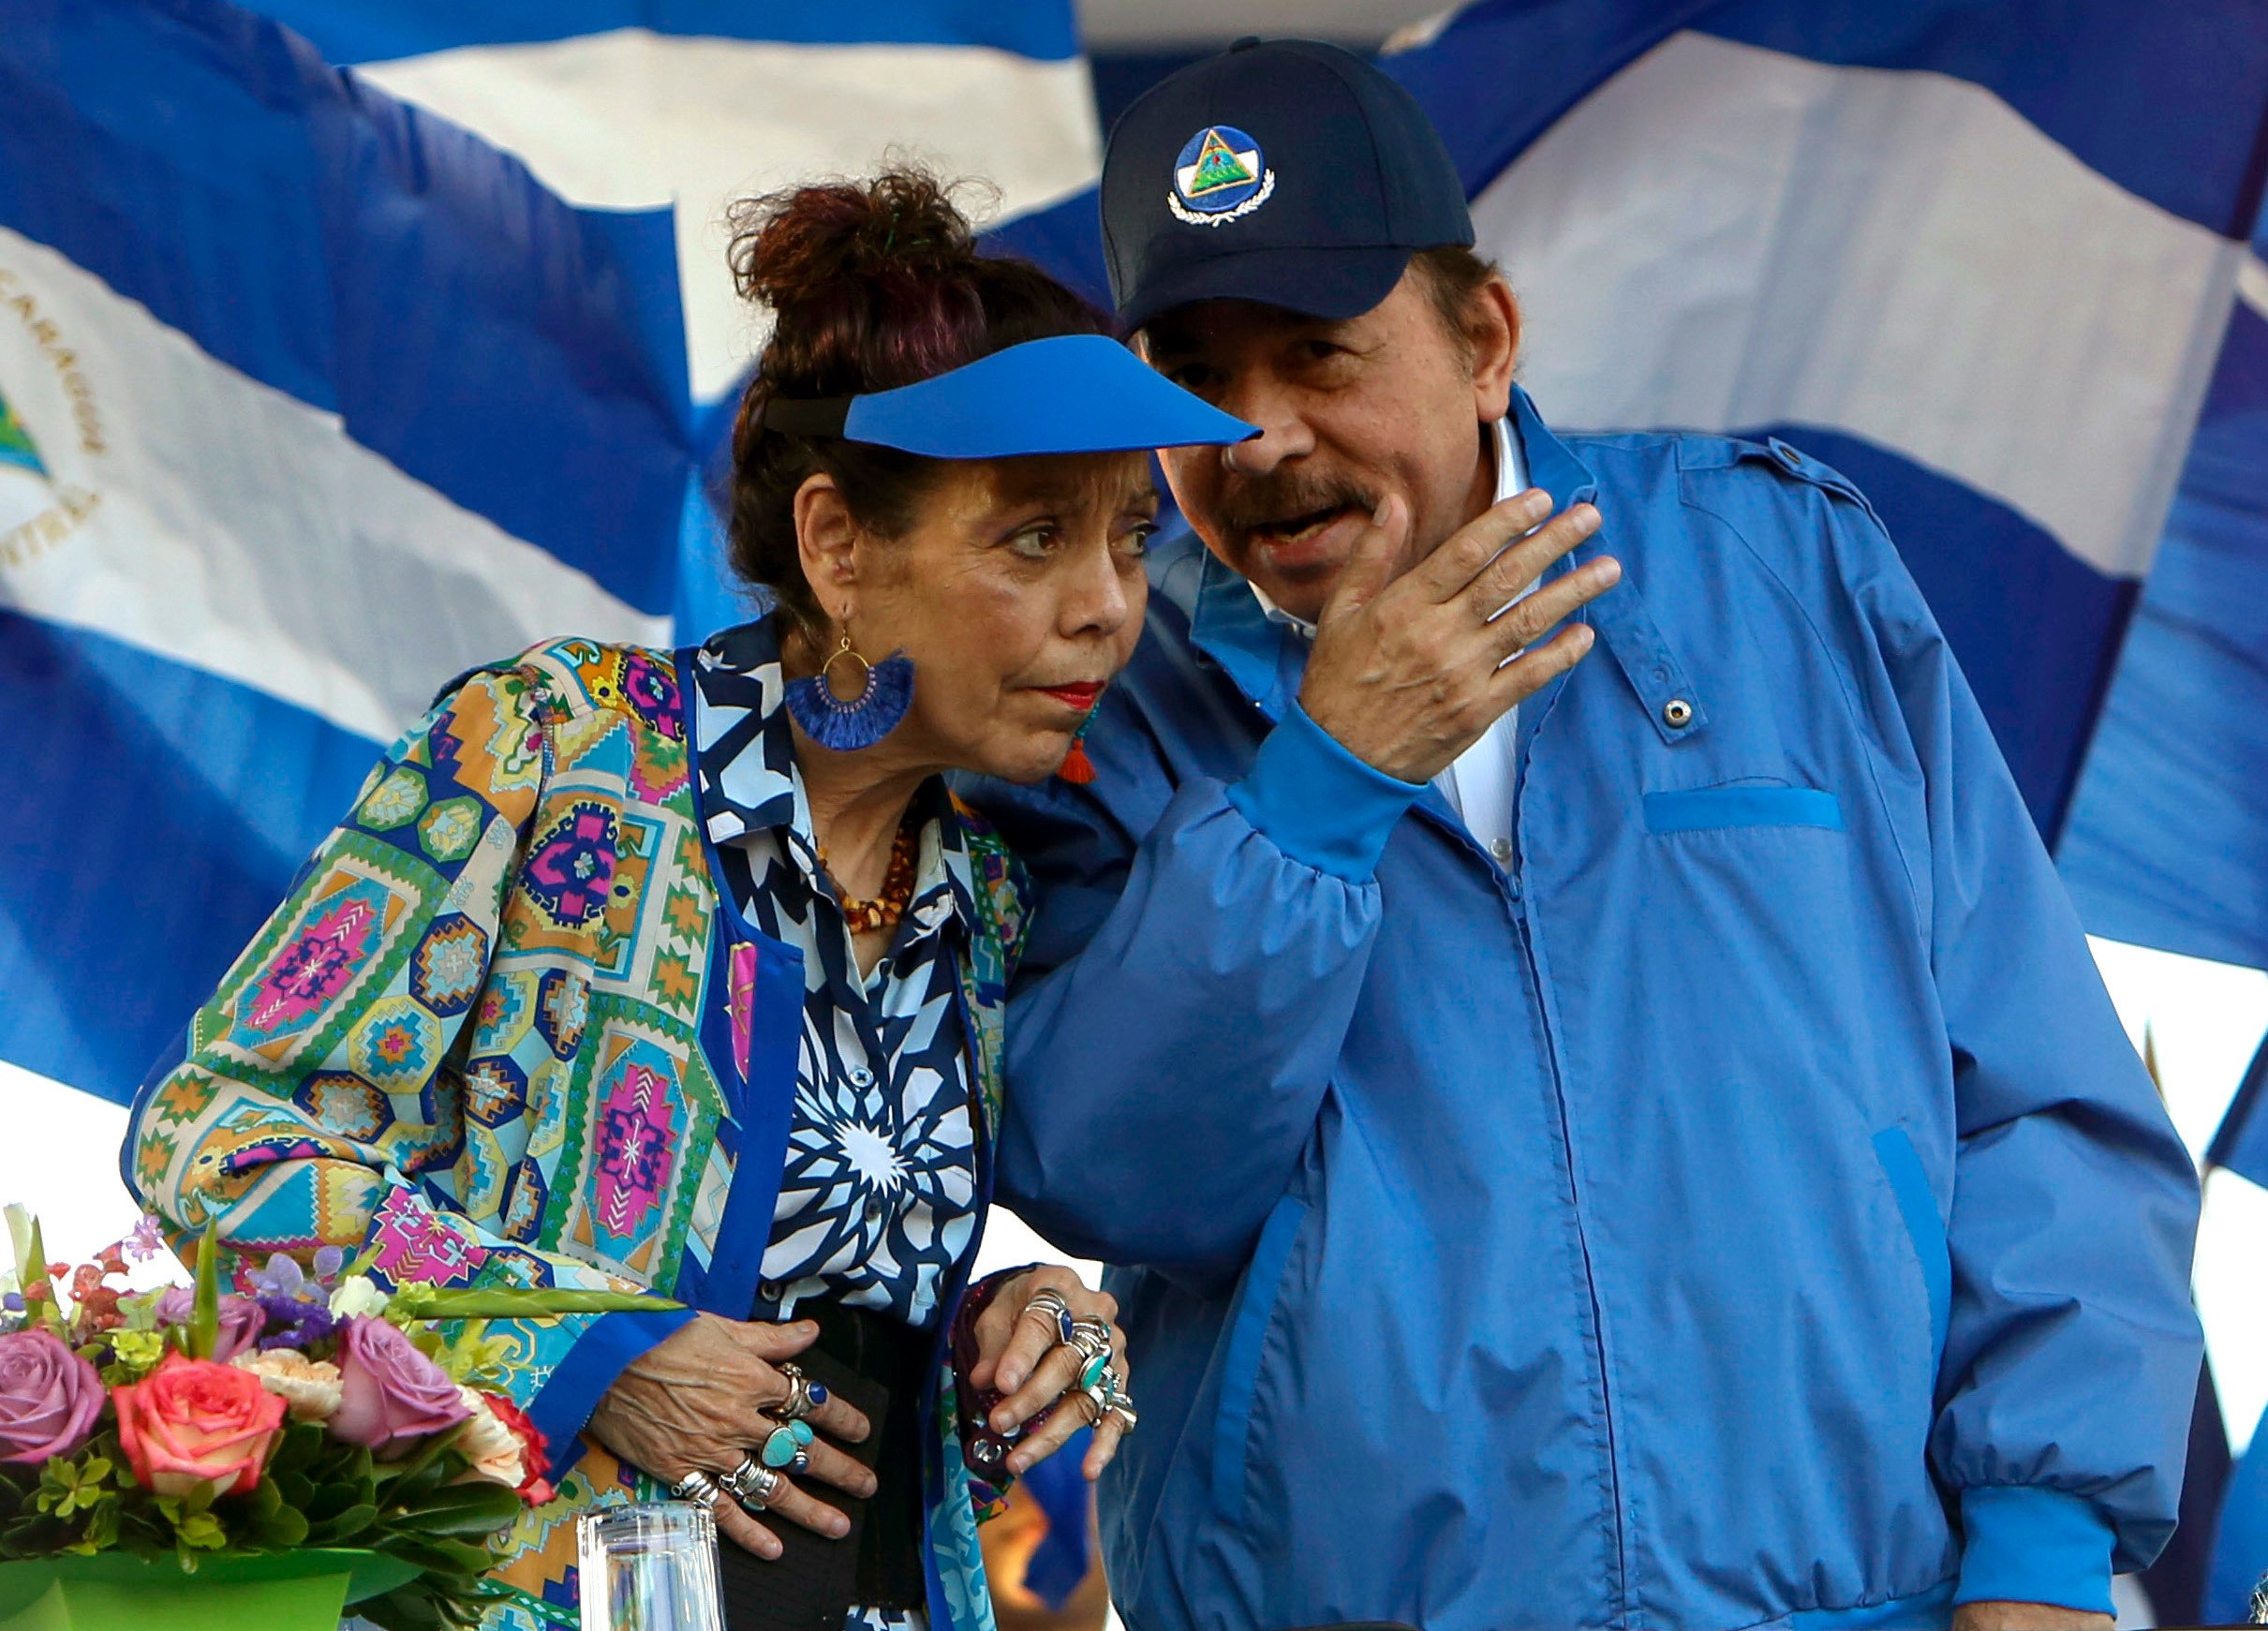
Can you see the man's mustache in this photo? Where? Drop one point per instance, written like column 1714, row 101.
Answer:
column 1269, row 502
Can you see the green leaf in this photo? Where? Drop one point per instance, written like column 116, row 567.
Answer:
column 53, row 1315
column 301, row 1443
column 285, row 1530
column 480, row 1509
column 204, row 1320
column 297, row 1490
column 440, row 1554
column 404, row 1608
column 429, row 1466
column 263, row 1502
column 28, row 1268
column 102, row 1528
column 519, row 1303
column 202, row 1531
column 343, row 1527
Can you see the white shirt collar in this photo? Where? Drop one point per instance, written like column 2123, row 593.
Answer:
column 1510, row 479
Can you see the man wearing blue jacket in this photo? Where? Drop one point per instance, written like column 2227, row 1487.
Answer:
column 1612, row 1135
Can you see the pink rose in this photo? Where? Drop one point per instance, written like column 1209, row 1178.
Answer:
column 389, row 1394
column 192, row 1423
column 241, row 1320
column 48, row 1398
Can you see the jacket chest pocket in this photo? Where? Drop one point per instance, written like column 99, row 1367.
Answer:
column 1711, row 808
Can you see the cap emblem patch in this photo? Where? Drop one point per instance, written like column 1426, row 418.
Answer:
column 1218, row 178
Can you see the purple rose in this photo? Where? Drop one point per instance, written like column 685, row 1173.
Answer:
column 241, row 1320
column 48, row 1398
column 389, row 1394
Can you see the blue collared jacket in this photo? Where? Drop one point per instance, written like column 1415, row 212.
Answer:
column 1742, row 1209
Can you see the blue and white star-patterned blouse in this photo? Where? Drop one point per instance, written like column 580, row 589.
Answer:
column 878, row 1201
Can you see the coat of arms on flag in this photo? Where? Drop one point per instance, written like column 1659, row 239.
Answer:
column 16, row 442
column 23, row 486
column 42, row 500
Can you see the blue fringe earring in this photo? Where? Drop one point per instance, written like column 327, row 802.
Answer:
column 875, row 712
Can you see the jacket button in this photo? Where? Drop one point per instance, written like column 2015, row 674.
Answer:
column 1501, row 850
column 1677, row 713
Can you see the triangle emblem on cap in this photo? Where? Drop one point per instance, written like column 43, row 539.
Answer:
column 1218, row 167
column 1218, row 177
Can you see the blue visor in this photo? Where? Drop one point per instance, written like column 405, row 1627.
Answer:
column 1074, row 393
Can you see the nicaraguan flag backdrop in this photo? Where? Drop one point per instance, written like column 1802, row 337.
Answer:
column 1987, row 257
column 2167, row 844
column 314, row 396
column 372, row 402
column 684, row 105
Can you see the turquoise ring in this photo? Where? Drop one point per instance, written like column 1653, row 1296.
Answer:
column 787, row 1448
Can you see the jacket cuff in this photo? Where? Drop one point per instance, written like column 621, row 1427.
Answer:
column 608, row 1346
column 1318, row 803
column 2030, row 1545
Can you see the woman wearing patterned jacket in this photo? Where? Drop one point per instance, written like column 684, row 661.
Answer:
column 684, row 971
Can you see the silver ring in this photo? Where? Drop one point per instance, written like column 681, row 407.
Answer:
column 1089, row 1337
column 1047, row 1304
column 752, row 1485
column 804, row 1394
column 1107, row 1394
column 697, row 1486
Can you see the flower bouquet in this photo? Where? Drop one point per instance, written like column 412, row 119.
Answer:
column 190, row 1457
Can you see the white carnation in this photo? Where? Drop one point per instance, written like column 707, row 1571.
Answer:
column 492, row 1448
column 308, row 1387
column 356, row 1297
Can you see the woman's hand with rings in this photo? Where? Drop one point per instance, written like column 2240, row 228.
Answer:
column 698, row 1403
column 1021, row 1352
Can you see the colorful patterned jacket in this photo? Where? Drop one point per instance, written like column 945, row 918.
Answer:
column 499, row 1030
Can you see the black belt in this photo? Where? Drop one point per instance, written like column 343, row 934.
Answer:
column 877, row 1365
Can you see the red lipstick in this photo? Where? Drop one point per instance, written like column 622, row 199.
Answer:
column 1082, row 696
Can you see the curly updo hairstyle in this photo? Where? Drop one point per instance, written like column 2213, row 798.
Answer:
column 872, row 284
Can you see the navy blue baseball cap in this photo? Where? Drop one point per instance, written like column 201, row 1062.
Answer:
column 1286, row 171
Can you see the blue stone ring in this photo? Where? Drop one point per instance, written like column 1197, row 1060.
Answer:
column 787, row 1448
column 1047, row 1306
column 804, row 1395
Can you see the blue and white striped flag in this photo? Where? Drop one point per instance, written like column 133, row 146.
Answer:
column 322, row 386
column 2166, row 843
column 1989, row 258
column 1980, row 257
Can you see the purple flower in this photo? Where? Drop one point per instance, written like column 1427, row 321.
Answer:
column 281, row 1278
column 328, row 1260
column 13, row 1302
column 48, row 1398
column 146, row 1241
column 389, row 1394
column 241, row 1320
column 294, row 1323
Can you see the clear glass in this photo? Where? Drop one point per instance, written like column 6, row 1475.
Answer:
column 651, row 1566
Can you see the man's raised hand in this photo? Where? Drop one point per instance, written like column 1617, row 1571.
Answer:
column 1409, row 671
